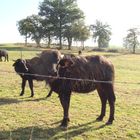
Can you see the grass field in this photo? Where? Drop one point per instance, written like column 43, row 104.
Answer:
column 38, row 118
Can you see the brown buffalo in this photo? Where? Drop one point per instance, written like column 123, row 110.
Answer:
column 91, row 68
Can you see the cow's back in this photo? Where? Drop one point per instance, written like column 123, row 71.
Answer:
column 86, row 70
column 3, row 52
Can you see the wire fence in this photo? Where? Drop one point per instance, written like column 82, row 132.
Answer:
column 72, row 79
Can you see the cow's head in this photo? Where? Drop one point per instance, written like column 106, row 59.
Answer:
column 63, row 66
column 66, row 62
column 20, row 66
column 50, row 59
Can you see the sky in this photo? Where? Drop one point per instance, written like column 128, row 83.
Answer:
column 121, row 15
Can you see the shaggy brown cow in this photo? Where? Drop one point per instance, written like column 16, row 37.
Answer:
column 45, row 64
column 92, row 68
column 4, row 53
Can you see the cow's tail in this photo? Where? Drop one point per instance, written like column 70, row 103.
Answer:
column 111, row 94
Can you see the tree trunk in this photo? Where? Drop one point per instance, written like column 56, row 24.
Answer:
column 69, row 43
column 60, row 34
column 26, row 41
column 134, row 48
column 38, row 42
column 49, row 41
column 83, row 45
column 99, row 43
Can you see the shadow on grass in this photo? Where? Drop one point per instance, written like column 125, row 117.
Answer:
column 30, row 99
column 56, row 133
column 4, row 101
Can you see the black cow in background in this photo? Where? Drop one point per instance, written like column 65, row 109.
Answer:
column 4, row 53
column 31, row 69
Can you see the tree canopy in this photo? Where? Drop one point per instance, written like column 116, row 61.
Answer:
column 131, row 39
column 24, row 28
column 62, row 20
column 31, row 27
column 60, row 14
column 101, row 33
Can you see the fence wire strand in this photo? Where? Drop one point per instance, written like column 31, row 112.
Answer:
column 73, row 79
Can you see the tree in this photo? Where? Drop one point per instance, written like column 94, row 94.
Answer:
column 60, row 14
column 36, row 30
column 82, row 33
column 32, row 27
column 68, row 34
column 24, row 28
column 131, row 40
column 101, row 33
column 78, row 31
column 48, row 31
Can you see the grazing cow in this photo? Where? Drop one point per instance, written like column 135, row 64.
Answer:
column 90, row 67
column 45, row 64
column 4, row 53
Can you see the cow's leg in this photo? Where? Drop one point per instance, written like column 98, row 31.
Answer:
column 5, row 58
column 103, row 98
column 65, row 102
column 49, row 94
column 111, row 100
column 30, row 81
column 23, row 86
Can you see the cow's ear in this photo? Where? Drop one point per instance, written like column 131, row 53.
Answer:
column 14, row 64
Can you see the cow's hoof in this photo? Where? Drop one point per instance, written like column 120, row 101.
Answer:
column 21, row 94
column 100, row 118
column 64, row 125
column 109, row 123
column 48, row 96
column 32, row 96
column 65, row 122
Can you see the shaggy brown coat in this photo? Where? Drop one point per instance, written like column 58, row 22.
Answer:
column 92, row 68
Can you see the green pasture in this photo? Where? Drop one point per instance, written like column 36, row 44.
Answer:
column 38, row 118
